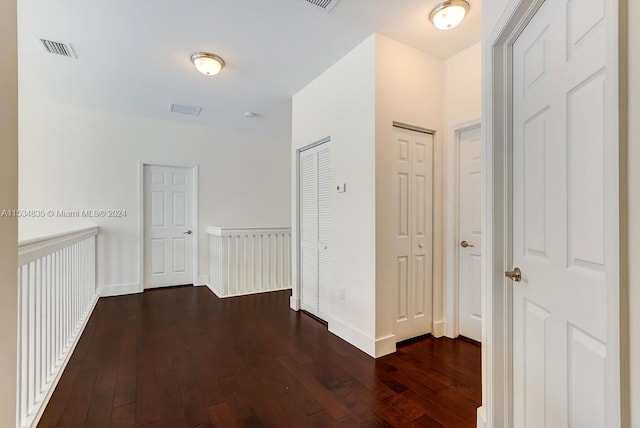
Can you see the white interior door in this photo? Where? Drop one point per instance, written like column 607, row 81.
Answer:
column 168, row 228
column 413, row 197
column 562, row 227
column 470, row 233
column 316, row 230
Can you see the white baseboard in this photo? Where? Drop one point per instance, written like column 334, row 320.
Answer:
column 438, row 328
column 482, row 418
column 354, row 336
column 294, row 303
column 449, row 330
column 202, row 280
column 244, row 294
column 213, row 290
column 119, row 289
column 257, row 292
column 385, row 345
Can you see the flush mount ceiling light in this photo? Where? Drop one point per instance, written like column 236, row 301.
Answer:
column 449, row 14
column 207, row 63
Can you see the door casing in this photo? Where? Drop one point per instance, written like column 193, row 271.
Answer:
column 141, row 207
column 295, row 301
column 452, row 218
column 497, row 356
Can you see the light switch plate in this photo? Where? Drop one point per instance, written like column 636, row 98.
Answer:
column 341, row 188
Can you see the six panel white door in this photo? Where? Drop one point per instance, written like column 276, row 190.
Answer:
column 560, row 218
column 413, row 197
column 168, row 216
column 316, row 230
column 470, row 233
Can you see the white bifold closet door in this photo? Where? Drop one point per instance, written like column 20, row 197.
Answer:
column 315, row 230
column 413, row 249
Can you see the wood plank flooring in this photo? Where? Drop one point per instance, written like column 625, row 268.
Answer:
column 181, row 357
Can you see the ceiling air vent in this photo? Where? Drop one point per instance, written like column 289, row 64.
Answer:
column 183, row 109
column 58, row 48
column 325, row 5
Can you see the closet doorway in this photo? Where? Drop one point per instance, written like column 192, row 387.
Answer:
column 315, row 229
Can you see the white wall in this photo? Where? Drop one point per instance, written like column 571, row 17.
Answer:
column 355, row 103
column 341, row 104
column 634, row 207
column 463, row 86
column 409, row 89
column 73, row 158
column 8, row 200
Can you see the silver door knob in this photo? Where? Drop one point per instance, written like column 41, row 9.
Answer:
column 188, row 232
column 515, row 275
column 420, row 245
column 465, row 244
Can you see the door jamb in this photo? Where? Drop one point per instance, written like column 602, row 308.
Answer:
column 451, row 230
column 195, row 226
column 497, row 354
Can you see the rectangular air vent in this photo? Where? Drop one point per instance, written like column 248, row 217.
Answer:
column 325, row 5
column 183, row 109
column 58, row 48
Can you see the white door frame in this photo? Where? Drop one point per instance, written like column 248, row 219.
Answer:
column 194, row 172
column 295, row 302
column 497, row 354
column 451, row 227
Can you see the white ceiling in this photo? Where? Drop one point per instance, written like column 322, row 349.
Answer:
column 133, row 55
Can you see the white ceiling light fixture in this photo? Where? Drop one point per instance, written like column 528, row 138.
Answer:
column 449, row 14
column 207, row 63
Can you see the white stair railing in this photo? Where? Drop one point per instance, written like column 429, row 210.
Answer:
column 57, row 293
column 249, row 260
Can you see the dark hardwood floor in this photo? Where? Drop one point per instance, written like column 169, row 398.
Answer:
column 181, row 357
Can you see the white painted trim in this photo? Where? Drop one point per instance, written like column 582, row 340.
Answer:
column 354, row 336
column 141, row 224
column 119, row 289
column 385, row 345
column 438, row 329
column 497, row 357
column 481, row 418
column 249, row 293
column 63, row 366
column 33, row 249
column 202, row 281
column 196, row 215
column 210, row 287
column 294, row 302
column 451, row 228
column 234, row 231
column 196, row 224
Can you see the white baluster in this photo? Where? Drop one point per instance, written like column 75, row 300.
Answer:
column 56, row 286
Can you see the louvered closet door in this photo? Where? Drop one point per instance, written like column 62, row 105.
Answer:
column 315, row 230
column 309, row 230
column 324, row 230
